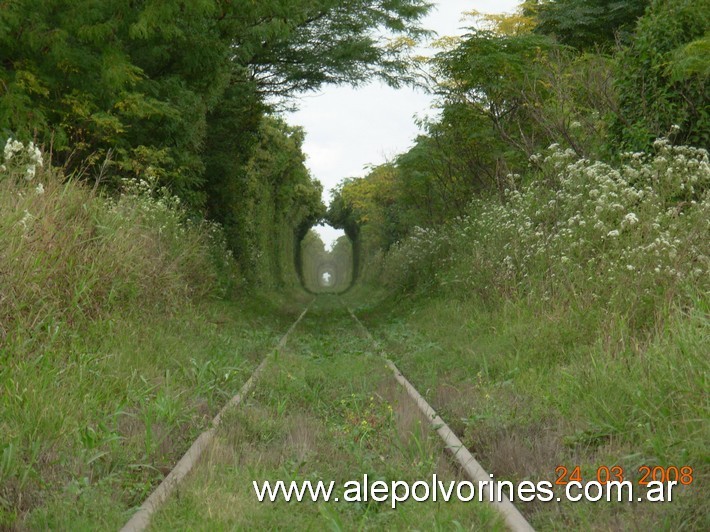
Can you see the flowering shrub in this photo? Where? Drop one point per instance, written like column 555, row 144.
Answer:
column 585, row 230
column 20, row 161
column 199, row 244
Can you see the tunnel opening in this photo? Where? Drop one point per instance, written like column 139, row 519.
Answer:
column 325, row 260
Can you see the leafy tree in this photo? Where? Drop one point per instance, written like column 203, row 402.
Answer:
column 119, row 74
column 508, row 91
column 589, row 24
column 89, row 77
column 663, row 76
column 182, row 88
column 280, row 202
column 301, row 45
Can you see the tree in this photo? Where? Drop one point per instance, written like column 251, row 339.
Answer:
column 487, row 80
column 141, row 78
column 663, row 76
column 301, row 45
column 182, row 88
column 279, row 202
column 589, row 24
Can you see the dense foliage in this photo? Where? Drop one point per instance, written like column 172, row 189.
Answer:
column 630, row 236
column 544, row 245
column 181, row 89
column 588, row 24
column 69, row 255
column 664, row 76
column 558, row 204
column 558, row 174
column 554, row 73
column 142, row 153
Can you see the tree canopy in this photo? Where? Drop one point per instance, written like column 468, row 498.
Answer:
column 588, row 24
column 591, row 78
column 183, row 90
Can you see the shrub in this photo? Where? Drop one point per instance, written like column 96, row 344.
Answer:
column 68, row 254
column 631, row 238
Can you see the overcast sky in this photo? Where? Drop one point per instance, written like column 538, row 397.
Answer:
column 349, row 129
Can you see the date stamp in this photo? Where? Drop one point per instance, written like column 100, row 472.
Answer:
column 682, row 475
column 614, row 483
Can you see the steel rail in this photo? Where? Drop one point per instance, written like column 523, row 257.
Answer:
column 141, row 519
column 511, row 515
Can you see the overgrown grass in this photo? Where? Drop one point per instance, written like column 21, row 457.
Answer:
column 93, row 423
column 69, row 255
column 115, row 350
column 569, row 325
column 327, row 409
column 529, row 389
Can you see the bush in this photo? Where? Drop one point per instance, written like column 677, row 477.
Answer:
column 662, row 77
column 68, row 254
column 631, row 239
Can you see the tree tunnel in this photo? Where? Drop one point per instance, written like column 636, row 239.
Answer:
column 324, row 270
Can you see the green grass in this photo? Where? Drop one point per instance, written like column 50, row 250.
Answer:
column 115, row 350
column 92, row 423
column 327, row 409
column 115, row 354
column 530, row 388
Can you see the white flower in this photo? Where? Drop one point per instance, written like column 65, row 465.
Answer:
column 12, row 147
column 630, row 267
column 35, row 154
column 631, row 219
column 613, row 233
column 30, row 174
column 26, row 219
column 39, row 190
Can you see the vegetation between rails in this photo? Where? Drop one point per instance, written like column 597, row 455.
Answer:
column 124, row 128
column 327, row 409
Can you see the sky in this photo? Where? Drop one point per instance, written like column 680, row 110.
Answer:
column 349, row 129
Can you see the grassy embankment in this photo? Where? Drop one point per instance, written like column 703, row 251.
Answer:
column 117, row 345
column 569, row 326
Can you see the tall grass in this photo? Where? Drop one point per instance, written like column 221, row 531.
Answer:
column 114, row 348
column 68, row 254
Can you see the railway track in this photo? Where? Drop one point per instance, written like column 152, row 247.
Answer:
column 141, row 519
column 466, row 462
